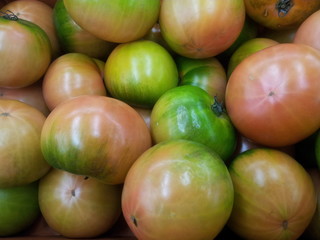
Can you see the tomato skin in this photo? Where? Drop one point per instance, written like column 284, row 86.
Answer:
column 27, row 50
column 19, row 208
column 76, row 206
column 115, row 21
column 309, row 31
column 280, row 14
column 266, row 90
column 274, row 195
column 177, row 189
column 139, row 72
column 185, row 112
column 71, row 75
column 247, row 48
column 208, row 74
column 91, row 135
column 21, row 159
column 31, row 95
column 201, row 29
column 39, row 13
column 73, row 38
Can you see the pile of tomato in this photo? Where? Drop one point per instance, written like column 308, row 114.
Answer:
column 188, row 119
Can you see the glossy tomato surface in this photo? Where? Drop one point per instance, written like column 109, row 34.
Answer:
column 94, row 136
column 39, row 13
column 26, row 49
column 73, row 38
column 309, row 31
column 21, row 159
column 280, row 14
column 139, row 72
column 177, row 189
column 77, row 206
column 115, row 21
column 208, row 74
column 272, row 96
column 71, row 75
column 189, row 112
column 201, row 29
column 274, row 195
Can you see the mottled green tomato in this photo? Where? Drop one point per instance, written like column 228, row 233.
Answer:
column 73, row 38
column 177, row 189
column 19, row 208
column 189, row 112
column 139, row 72
column 274, row 196
column 94, row 136
column 246, row 49
column 208, row 74
column 116, row 20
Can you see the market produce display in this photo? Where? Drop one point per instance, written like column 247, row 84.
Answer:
column 160, row 119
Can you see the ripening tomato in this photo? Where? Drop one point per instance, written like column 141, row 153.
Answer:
column 95, row 136
column 203, row 28
column 78, row 206
column 280, row 14
column 274, row 196
column 25, row 52
column 177, row 189
column 71, row 75
column 73, row 38
column 309, row 31
column 21, row 159
column 38, row 13
column 273, row 95
column 115, row 21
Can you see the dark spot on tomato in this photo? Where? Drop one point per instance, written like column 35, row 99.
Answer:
column 283, row 7
column 271, row 93
column 134, row 220
column 285, row 224
column 73, row 192
column 4, row 114
column 86, row 178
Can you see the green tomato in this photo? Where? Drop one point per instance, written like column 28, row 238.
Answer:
column 19, row 208
column 189, row 112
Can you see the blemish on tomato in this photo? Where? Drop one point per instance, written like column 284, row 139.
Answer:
column 4, row 114
column 134, row 220
column 285, row 224
column 73, row 192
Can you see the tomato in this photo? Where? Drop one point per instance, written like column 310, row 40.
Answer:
column 208, row 74
column 201, row 29
column 19, row 208
column 309, row 31
column 38, row 13
column 31, row 95
column 272, row 96
column 177, row 189
column 139, row 72
column 247, row 48
column 274, row 195
column 73, row 38
column 78, row 206
column 115, row 21
column 189, row 112
column 26, row 49
column 280, row 14
column 313, row 231
column 21, row 160
column 94, row 136
column 71, row 75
